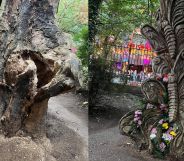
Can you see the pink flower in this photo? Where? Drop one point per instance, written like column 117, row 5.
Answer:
column 138, row 112
column 162, row 146
column 137, row 117
column 154, row 131
column 73, row 50
column 165, row 79
column 161, row 121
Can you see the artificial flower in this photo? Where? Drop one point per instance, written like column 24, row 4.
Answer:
column 152, row 136
column 167, row 137
column 153, row 130
column 165, row 125
column 137, row 117
column 161, row 121
column 173, row 133
column 138, row 112
column 162, row 147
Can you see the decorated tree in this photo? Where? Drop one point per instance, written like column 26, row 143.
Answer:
column 158, row 125
column 35, row 63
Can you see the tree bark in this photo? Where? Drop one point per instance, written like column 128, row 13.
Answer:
column 34, row 63
column 94, row 6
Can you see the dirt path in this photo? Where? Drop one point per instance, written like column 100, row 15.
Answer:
column 105, row 141
column 66, row 112
column 67, row 128
column 63, row 107
column 109, row 145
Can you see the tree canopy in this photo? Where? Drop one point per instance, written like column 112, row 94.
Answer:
column 72, row 15
column 116, row 16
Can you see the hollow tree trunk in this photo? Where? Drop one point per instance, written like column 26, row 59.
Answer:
column 34, row 63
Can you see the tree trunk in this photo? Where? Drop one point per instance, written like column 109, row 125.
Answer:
column 34, row 63
column 93, row 84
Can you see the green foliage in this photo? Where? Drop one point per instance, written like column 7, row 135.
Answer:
column 72, row 17
column 81, row 39
column 94, row 6
column 118, row 16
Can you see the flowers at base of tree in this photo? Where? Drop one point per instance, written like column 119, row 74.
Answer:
column 169, row 135
column 137, row 118
column 153, row 133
